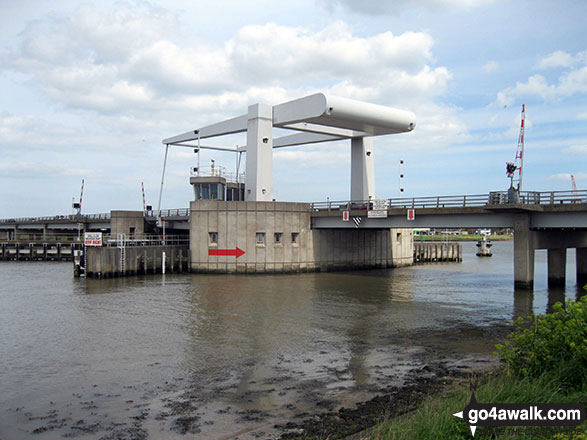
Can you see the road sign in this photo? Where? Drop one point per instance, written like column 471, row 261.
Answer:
column 345, row 216
column 411, row 214
column 226, row 252
column 93, row 239
column 377, row 214
column 380, row 204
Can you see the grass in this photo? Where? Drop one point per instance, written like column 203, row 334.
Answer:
column 434, row 419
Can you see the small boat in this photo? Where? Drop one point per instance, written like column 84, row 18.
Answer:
column 484, row 246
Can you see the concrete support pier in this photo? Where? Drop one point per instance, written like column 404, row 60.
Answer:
column 362, row 169
column 557, row 265
column 581, row 266
column 523, row 253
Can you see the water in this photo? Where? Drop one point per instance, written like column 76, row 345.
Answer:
column 225, row 355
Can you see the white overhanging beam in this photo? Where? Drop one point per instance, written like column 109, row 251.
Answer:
column 207, row 147
column 317, row 118
column 333, row 111
column 322, row 129
column 230, row 126
column 304, row 139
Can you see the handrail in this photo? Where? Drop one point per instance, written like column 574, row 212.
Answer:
column 165, row 213
column 113, row 240
column 460, row 201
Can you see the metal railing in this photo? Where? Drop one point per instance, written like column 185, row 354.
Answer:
column 166, row 213
column 460, row 201
column 145, row 240
column 57, row 218
column 218, row 171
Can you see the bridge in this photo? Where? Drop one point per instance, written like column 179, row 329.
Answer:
column 268, row 236
column 552, row 220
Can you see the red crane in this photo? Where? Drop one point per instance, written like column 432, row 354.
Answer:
column 575, row 192
column 517, row 165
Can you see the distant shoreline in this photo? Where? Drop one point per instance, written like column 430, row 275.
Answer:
column 462, row 237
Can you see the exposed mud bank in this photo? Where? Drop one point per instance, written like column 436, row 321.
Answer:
column 327, row 394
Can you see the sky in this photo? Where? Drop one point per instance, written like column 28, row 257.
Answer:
column 89, row 90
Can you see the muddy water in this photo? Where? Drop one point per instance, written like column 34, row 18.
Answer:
column 227, row 356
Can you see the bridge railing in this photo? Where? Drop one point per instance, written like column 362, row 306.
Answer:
column 57, row 218
column 165, row 213
column 113, row 240
column 460, row 201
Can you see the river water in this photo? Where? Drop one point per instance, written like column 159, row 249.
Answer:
column 230, row 356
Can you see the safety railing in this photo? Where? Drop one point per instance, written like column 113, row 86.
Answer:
column 460, row 201
column 59, row 218
column 166, row 213
column 218, row 171
column 145, row 240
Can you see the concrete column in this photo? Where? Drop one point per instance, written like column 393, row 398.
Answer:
column 523, row 253
column 259, row 171
column 581, row 266
column 557, row 265
column 362, row 169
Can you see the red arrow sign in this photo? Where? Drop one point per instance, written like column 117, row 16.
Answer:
column 226, row 252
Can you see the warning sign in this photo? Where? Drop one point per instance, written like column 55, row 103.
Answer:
column 345, row 216
column 93, row 239
column 411, row 214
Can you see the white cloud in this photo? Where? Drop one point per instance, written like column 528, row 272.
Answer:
column 491, row 66
column 562, row 59
column 567, row 177
column 150, row 72
column 576, row 149
column 571, row 82
column 373, row 7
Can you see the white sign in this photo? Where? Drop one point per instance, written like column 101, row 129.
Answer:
column 380, row 204
column 345, row 216
column 93, row 239
column 377, row 214
column 411, row 214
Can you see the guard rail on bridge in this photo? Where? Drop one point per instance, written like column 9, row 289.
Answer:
column 58, row 218
column 478, row 200
column 493, row 198
column 144, row 240
column 167, row 213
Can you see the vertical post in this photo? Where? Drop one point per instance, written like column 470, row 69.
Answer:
column 362, row 169
column 557, row 265
column 523, row 253
column 163, row 263
column 259, row 165
column 581, row 257
column 163, row 178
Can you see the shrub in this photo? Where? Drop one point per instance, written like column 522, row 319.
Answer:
column 553, row 344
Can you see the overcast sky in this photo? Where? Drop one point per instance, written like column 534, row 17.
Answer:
column 89, row 90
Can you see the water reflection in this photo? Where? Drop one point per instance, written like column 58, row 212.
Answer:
column 523, row 303
column 555, row 295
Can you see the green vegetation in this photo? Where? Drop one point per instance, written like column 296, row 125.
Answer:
column 554, row 345
column 545, row 361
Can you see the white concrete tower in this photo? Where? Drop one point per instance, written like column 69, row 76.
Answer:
column 259, row 159
column 362, row 169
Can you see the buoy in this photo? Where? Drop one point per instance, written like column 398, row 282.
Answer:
column 484, row 246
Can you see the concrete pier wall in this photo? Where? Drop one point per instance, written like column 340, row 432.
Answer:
column 527, row 239
column 277, row 237
column 107, row 262
column 431, row 252
column 37, row 251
